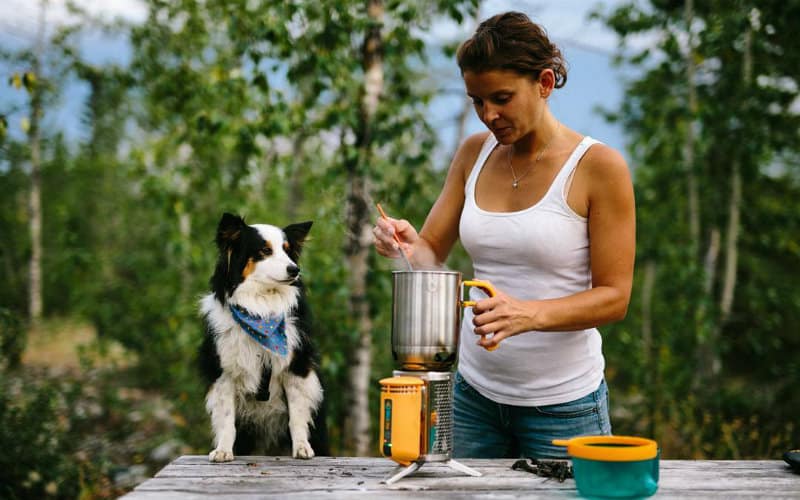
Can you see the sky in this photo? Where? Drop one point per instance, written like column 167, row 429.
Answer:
column 587, row 46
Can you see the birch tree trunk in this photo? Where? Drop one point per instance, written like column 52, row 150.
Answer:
column 466, row 105
column 735, row 203
column 35, row 306
column 35, row 212
column 461, row 126
column 652, row 377
column 704, row 351
column 707, row 352
column 359, row 237
column 711, row 359
column 731, row 245
column 710, row 262
column 296, row 198
column 689, row 145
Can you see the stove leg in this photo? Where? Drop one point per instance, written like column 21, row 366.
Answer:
column 462, row 468
column 405, row 471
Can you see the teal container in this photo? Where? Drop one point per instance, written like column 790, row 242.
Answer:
column 614, row 466
column 595, row 478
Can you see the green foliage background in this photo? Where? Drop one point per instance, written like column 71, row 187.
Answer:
column 250, row 107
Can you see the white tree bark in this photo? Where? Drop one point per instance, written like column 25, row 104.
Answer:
column 648, row 285
column 466, row 105
column 689, row 145
column 731, row 245
column 710, row 263
column 357, row 425
column 652, row 377
column 735, row 202
column 35, row 302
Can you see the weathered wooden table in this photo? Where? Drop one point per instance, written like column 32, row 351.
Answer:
column 190, row 477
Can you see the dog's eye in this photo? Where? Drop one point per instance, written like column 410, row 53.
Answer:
column 266, row 252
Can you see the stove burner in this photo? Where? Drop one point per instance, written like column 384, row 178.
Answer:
column 428, row 394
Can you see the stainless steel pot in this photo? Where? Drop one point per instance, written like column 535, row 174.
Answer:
column 426, row 317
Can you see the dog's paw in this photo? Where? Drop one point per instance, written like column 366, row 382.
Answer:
column 220, row 456
column 302, row 450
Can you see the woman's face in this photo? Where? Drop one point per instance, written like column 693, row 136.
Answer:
column 511, row 105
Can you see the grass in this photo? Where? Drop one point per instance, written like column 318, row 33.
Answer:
column 62, row 345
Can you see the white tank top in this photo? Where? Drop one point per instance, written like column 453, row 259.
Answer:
column 541, row 252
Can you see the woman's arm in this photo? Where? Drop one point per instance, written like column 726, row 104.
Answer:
column 612, row 245
column 432, row 245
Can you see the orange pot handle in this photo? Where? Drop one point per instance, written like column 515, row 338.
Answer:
column 490, row 291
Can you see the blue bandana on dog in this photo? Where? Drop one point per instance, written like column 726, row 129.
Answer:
column 269, row 332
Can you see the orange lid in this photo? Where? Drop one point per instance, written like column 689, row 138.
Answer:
column 610, row 448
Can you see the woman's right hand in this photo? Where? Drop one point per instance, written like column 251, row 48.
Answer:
column 384, row 232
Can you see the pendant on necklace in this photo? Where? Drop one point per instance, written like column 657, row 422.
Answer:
column 515, row 184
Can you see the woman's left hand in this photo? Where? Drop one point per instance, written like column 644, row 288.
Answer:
column 501, row 315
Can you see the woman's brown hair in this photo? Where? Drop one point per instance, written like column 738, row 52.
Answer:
column 511, row 41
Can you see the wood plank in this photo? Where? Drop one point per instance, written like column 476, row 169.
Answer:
column 193, row 477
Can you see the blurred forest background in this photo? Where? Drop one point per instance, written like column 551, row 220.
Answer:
column 289, row 111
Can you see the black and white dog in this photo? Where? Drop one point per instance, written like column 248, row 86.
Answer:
column 264, row 393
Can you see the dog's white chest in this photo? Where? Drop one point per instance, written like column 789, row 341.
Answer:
column 243, row 358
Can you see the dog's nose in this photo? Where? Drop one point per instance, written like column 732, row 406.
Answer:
column 292, row 270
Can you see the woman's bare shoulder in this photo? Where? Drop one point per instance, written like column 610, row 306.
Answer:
column 468, row 152
column 603, row 161
column 475, row 140
column 607, row 175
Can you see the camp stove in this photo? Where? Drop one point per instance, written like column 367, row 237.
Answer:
column 417, row 402
column 417, row 421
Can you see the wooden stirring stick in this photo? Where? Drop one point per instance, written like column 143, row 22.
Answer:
column 399, row 246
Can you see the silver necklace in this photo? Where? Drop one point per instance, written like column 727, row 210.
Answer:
column 515, row 182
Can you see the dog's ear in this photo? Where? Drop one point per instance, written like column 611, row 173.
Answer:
column 229, row 230
column 229, row 233
column 296, row 235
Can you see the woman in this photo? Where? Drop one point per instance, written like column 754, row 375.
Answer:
column 547, row 216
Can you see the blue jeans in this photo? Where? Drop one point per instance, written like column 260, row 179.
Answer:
column 485, row 429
